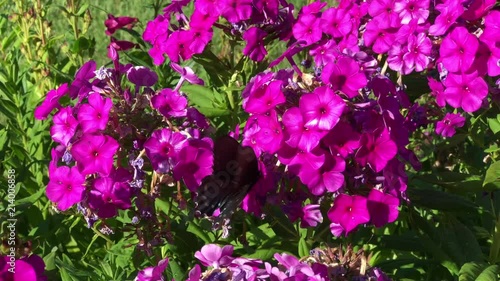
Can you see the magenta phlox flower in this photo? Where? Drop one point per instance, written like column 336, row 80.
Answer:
column 383, row 9
column 383, row 208
column 153, row 273
column 344, row 75
column 194, row 162
column 300, row 162
column 307, row 29
column 477, row 9
column 170, row 103
column 437, row 89
column 450, row 11
column 264, row 98
column 195, row 273
column 269, row 7
column 336, row 229
column 156, row 33
column 175, row 6
column 94, row 115
column 254, row 48
column 465, row 90
column 328, row 178
column 235, row 10
column 343, row 140
column 491, row 39
column 349, row 211
column 395, row 57
column 64, row 127
column 247, row 269
column 203, row 19
column 95, row 153
column 200, row 37
column 380, row 35
column 215, row 256
column 81, row 85
column 458, row 50
column 108, row 194
column 418, row 53
column 258, row 83
column 50, row 102
column 321, row 109
column 412, row 9
column 336, row 22
column 208, row 7
column 178, row 45
column 187, row 74
column 23, row 269
column 376, row 150
column 395, row 178
column 114, row 23
column 142, row 76
column 298, row 134
column 311, row 216
column 264, row 132
column 163, row 147
column 324, row 53
column 66, row 186
column 450, row 122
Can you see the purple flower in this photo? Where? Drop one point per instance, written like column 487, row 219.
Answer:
column 156, row 33
column 342, row 140
column 51, row 102
column 26, row 268
column 94, row 153
column 349, row 211
column 418, row 51
column 383, row 208
column 142, row 76
column 170, row 103
column 446, row 127
column 477, row 9
column 215, row 256
column 409, row 10
column 194, row 273
column 81, row 85
column 187, row 74
column 311, row 216
column 235, row 10
column 308, row 29
column 263, row 133
column 154, row 273
column 94, row 115
column 254, row 38
column 200, row 37
column 458, row 50
column 178, row 44
column 383, row 10
column 344, row 76
column 381, row 34
column 66, row 186
column 437, row 89
column 322, row 108
column 114, row 23
column 324, row 53
column 109, row 194
column 328, row 178
column 336, row 22
column 449, row 13
column 64, row 126
column 298, row 134
column 162, row 149
column 194, row 162
column 465, row 90
column 300, row 162
column 376, row 150
column 264, row 98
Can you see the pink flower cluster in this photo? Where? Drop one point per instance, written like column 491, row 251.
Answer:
column 113, row 119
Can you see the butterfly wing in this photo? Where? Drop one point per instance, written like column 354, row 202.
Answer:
column 235, row 172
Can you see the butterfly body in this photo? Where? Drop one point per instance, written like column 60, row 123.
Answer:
column 235, row 172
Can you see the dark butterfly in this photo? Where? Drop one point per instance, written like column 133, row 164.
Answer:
column 235, row 172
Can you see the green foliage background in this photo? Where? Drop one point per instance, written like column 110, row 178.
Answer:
column 449, row 230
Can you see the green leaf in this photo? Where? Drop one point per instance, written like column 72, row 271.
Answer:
column 494, row 124
column 83, row 9
column 440, row 200
column 492, row 177
column 474, row 271
column 304, row 247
